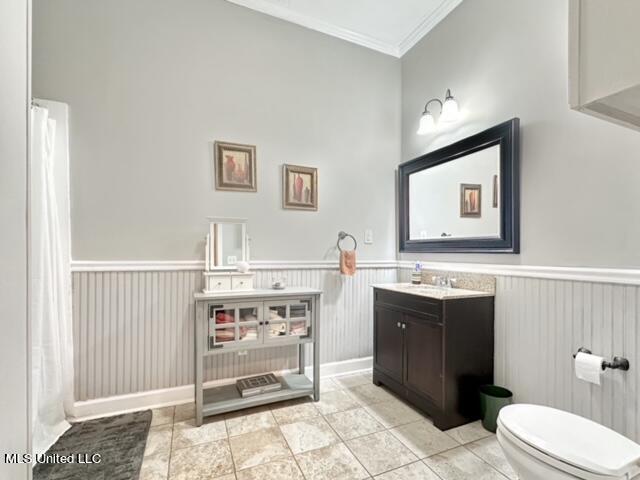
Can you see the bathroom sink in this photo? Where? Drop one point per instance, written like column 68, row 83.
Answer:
column 433, row 291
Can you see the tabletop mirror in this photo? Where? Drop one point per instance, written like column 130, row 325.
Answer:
column 227, row 243
column 463, row 197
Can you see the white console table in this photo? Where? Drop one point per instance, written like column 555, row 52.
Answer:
column 235, row 321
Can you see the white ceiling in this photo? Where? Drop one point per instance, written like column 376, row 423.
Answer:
column 388, row 26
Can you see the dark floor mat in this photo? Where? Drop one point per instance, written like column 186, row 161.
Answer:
column 119, row 440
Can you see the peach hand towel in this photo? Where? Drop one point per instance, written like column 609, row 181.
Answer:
column 348, row 262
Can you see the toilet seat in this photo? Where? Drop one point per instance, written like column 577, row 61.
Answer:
column 569, row 442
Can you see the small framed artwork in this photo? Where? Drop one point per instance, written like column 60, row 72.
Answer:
column 300, row 187
column 470, row 200
column 235, row 167
column 495, row 191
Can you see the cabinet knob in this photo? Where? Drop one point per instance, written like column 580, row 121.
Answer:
column 398, row 324
column 404, row 325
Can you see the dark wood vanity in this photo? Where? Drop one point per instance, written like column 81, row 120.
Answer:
column 434, row 353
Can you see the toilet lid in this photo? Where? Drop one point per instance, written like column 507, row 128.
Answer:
column 571, row 439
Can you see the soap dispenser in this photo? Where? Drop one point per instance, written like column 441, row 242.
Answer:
column 416, row 274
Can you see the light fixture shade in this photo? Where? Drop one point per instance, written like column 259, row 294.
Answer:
column 449, row 109
column 427, row 124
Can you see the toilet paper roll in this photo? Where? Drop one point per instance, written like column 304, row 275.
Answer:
column 588, row 367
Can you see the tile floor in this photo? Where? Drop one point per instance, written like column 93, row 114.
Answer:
column 357, row 431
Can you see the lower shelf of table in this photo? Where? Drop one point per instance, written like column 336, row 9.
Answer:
column 226, row 398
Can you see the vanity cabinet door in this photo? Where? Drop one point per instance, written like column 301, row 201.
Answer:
column 388, row 342
column 423, row 358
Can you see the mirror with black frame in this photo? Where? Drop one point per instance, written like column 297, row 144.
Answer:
column 463, row 197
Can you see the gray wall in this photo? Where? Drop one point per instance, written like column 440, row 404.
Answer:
column 150, row 84
column 14, row 101
column 580, row 175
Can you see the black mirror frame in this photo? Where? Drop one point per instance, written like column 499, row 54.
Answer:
column 507, row 135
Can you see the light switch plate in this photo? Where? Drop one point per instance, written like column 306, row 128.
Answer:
column 368, row 236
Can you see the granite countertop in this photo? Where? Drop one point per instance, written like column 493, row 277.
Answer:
column 431, row 291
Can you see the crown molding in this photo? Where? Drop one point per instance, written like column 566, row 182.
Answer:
column 427, row 23
column 318, row 25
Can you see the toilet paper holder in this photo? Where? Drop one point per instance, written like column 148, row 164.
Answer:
column 618, row 363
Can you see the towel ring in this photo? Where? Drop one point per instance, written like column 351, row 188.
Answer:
column 342, row 236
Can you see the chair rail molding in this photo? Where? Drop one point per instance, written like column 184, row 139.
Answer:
column 188, row 265
column 584, row 274
column 577, row 274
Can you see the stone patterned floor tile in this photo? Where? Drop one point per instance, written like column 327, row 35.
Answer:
column 423, row 439
column 335, row 462
column 461, row 464
column 393, row 413
column 336, row 401
column 308, row 434
column 380, row 452
column 328, row 385
column 159, row 440
column 162, row 416
column 155, row 467
column 186, row 434
column 286, row 469
column 186, row 411
column 353, row 380
column 294, row 410
column 490, row 451
column 202, row 462
column 256, row 448
column 369, row 394
column 468, row 433
column 354, row 423
column 413, row 471
column 246, row 421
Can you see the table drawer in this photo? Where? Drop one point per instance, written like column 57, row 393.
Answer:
column 242, row 282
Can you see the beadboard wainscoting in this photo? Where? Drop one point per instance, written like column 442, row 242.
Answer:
column 133, row 323
column 543, row 315
column 541, row 323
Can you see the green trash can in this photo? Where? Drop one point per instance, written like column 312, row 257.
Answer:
column 492, row 399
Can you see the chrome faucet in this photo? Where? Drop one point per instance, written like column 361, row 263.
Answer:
column 443, row 281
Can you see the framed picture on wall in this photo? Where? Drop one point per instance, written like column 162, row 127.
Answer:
column 470, row 200
column 235, row 167
column 300, row 187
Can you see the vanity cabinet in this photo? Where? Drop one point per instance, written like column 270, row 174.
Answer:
column 434, row 353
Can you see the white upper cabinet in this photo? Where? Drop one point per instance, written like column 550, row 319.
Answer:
column 604, row 59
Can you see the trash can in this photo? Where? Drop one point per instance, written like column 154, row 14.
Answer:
column 492, row 399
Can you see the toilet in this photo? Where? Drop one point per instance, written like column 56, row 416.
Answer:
column 543, row 443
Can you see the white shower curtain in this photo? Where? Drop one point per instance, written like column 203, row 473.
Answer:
column 52, row 341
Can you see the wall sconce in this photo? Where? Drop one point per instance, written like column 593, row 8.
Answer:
column 448, row 113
